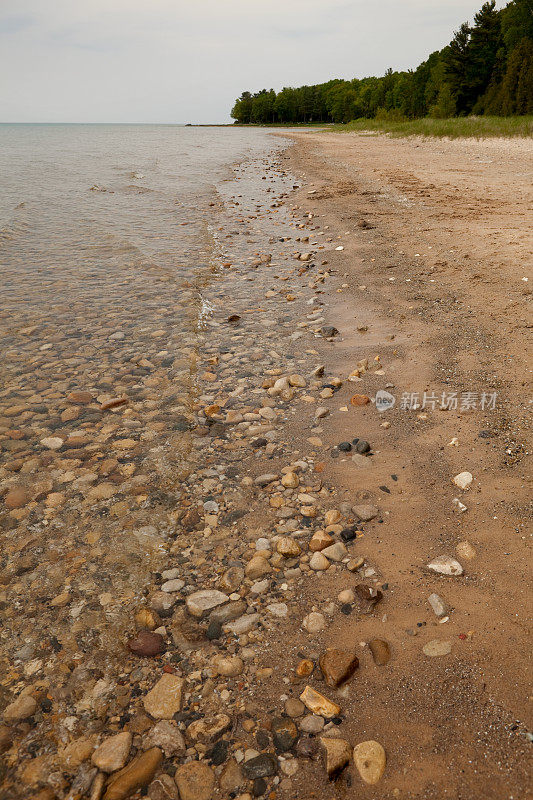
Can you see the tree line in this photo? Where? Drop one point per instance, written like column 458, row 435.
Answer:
column 486, row 69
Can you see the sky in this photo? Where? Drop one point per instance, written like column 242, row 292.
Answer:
column 177, row 61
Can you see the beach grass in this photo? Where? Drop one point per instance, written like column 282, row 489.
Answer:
column 453, row 128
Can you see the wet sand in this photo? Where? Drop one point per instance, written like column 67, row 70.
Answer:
column 292, row 329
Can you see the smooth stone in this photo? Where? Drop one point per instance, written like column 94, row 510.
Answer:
column 346, row 596
column 465, row 550
column 437, row 604
column 231, row 579
column 445, row 565
column 437, row 647
column 312, row 723
column 290, row 480
column 365, row 512
column 320, row 540
column 173, row 585
column 163, row 788
column 257, row 567
column 147, row 643
column 17, row 497
column 337, row 666
column 137, row 774
column 264, row 480
column 370, row 760
column 200, row 603
column 319, row 704
column 288, row 548
column 195, row 781
column 232, row 777
column 380, row 650
column 229, row 666
column 337, row 754
column 278, row 609
column 112, row 754
column 244, row 624
column 294, row 707
column 164, row 700
column 262, row 766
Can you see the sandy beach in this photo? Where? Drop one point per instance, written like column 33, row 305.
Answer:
column 339, row 555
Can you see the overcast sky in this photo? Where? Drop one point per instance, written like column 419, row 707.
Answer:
column 186, row 61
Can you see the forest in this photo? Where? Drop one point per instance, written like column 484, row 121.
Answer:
column 487, row 69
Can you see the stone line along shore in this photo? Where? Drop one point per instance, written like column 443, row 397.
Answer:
column 214, row 676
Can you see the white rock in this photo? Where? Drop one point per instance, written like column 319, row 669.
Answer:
column 199, row 603
column 318, row 561
column 445, row 565
column 463, row 480
column 437, row 648
column 278, row 609
column 437, row 604
column 314, row 622
column 241, row 625
column 173, row 585
column 335, row 552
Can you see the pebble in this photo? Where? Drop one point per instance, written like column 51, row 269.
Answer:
column 319, row 704
column 365, row 513
column 437, row 647
column 312, row 724
column 174, row 585
column 367, row 597
column 346, row 596
column 284, row 734
column 195, row 781
column 167, row 736
column 319, row 541
column 147, row 643
column 294, row 707
column 287, row 547
column 463, row 480
column 445, row 565
column 337, row 754
column 314, row 622
column 23, row 707
column 264, row 480
column 338, row 666
column 437, row 604
column 263, row 765
column 113, row 753
column 318, row 562
column 370, row 761
column 164, row 700
column 229, row 666
column 335, row 552
column 465, row 550
column 136, row 775
column 17, row 497
column 380, row 650
column 257, row 567
column 199, row 603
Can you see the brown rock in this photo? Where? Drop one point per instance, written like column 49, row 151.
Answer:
column 231, row 778
column 366, row 597
column 147, row 618
column 163, row 788
column 137, row 774
column 113, row 753
column 360, row 400
column 319, row 704
column 337, row 754
column 164, row 700
column 370, row 760
column 17, row 497
column 338, row 666
column 195, row 781
column 320, row 541
column 304, row 668
column 380, row 650
column 79, row 398
column 147, row 643
column 114, row 403
column 23, row 707
column 6, row 739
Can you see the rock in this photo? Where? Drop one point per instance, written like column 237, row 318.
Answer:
column 163, row 788
column 232, row 777
column 305, row 667
column 365, row 512
column 262, row 766
column 380, row 650
column 200, row 603
column 232, row 579
column 113, row 753
column 314, row 622
column 162, row 603
column 445, row 565
column 312, row 724
column 297, row 381
column 137, row 774
column 463, row 480
column 290, row 480
column 229, row 666
column 319, row 704
column 257, row 567
column 318, row 562
column 294, row 707
column 264, row 480
column 174, row 585
column 195, row 781
column 437, row 604
column 284, row 734
column 346, row 596
column 80, row 398
column 280, row 610
column 167, row 736
column 307, row 747
column 338, row 666
column 147, row 643
column 208, row 729
column 362, row 447
column 320, row 540
column 332, row 516
column 360, row 400
column 164, row 700
column 437, row 647
column 370, row 760
column 6, row 738
column 288, row 548
column 366, row 597
column 328, row 331
column 17, row 497
column 335, row 552
column 321, row 412
column 229, row 612
column 465, row 550
column 242, row 625
column 52, row 442
column 23, row 707
column 337, row 754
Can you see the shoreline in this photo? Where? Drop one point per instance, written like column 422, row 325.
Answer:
column 266, row 478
